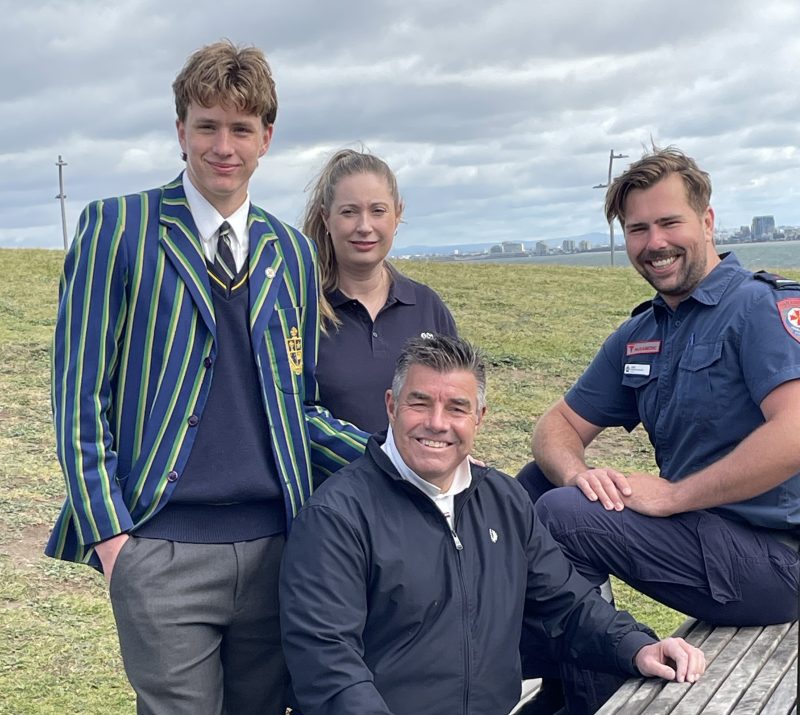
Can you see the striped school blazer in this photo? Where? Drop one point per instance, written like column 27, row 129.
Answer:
column 133, row 360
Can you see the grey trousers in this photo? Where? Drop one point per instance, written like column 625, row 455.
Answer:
column 199, row 626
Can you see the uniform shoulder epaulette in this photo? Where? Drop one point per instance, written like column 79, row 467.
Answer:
column 642, row 307
column 776, row 281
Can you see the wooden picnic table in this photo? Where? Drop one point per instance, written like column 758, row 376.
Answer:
column 749, row 670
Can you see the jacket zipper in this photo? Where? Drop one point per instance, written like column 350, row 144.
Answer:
column 464, row 611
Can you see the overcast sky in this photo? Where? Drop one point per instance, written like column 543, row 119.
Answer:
column 497, row 117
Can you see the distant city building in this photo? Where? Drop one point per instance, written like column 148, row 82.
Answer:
column 568, row 245
column 763, row 227
column 513, row 247
column 541, row 248
column 584, row 246
column 497, row 248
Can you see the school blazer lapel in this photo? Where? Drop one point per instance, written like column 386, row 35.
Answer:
column 179, row 239
column 266, row 272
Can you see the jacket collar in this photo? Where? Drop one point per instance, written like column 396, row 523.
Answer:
column 384, row 464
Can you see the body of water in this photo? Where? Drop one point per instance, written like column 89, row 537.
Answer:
column 754, row 256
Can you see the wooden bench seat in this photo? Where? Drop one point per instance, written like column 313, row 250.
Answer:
column 750, row 670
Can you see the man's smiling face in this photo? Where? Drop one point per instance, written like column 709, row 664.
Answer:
column 434, row 421
column 668, row 242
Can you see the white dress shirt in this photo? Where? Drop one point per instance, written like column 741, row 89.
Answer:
column 443, row 499
column 208, row 221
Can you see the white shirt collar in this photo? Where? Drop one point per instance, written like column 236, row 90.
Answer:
column 461, row 480
column 208, row 220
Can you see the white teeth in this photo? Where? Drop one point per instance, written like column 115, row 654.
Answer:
column 432, row 443
column 661, row 262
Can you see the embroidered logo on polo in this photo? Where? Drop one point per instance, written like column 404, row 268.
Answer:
column 643, row 347
column 294, row 347
column 789, row 309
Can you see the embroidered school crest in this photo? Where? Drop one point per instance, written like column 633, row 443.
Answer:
column 789, row 308
column 294, row 348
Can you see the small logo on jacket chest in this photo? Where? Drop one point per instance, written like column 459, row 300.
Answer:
column 493, row 535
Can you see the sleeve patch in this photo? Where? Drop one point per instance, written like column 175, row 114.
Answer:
column 789, row 310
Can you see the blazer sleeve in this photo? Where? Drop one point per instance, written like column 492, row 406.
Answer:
column 333, row 443
column 323, row 597
column 92, row 310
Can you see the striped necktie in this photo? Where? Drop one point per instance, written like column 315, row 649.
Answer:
column 224, row 263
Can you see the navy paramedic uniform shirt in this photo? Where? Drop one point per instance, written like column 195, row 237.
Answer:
column 695, row 378
column 356, row 362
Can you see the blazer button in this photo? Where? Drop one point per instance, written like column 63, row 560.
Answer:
column 172, row 476
column 193, row 421
column 208, row 362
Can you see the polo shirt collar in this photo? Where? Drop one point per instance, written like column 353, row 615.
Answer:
column 401, row 290
column 711, row 289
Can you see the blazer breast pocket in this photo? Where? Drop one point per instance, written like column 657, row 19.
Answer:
column 286, row 349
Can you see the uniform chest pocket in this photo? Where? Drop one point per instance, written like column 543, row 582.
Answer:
column 697, row 369
column 638, row 380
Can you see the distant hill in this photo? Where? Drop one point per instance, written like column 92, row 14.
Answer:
column 596, row 239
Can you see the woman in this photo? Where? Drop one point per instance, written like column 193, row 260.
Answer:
column 369, row 309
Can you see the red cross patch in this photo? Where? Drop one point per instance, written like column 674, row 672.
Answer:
column 790, row 315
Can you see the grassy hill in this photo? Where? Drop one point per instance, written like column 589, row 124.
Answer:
column 539, row 326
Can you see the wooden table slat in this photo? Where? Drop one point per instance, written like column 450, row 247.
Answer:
column 780, row 661
column 783, row 699
column 738, row 681
column 636, row 696
column 717, row 671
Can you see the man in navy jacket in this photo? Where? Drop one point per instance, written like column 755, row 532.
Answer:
column 408, row 574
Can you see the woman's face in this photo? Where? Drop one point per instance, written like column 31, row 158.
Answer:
column 361, row 221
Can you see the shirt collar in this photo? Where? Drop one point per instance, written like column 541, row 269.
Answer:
column 461, row 480
column 711, row 289
column 401, row 290
column 208, row 219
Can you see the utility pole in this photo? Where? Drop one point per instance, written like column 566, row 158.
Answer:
column 61, row 197
column 611, row 157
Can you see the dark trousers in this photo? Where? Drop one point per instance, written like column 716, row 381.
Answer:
column 198, row 626
column 698, row 563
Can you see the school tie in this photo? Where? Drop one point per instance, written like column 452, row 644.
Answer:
column 224, row 263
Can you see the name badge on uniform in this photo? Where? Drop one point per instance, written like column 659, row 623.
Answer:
column 643, row 347
column 637, row 369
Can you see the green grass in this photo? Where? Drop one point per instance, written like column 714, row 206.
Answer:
column 539, row 326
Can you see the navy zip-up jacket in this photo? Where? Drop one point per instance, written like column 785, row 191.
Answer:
column 385, row 610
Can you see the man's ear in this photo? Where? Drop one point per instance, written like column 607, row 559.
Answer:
column 390, row 406
column 481, row 415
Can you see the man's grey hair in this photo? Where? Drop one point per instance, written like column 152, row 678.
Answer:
column 443, row 354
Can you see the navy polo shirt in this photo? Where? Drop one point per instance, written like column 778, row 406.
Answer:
column 695, row 377
column 356, row 362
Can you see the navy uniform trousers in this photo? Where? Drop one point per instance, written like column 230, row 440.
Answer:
column 699, row 563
